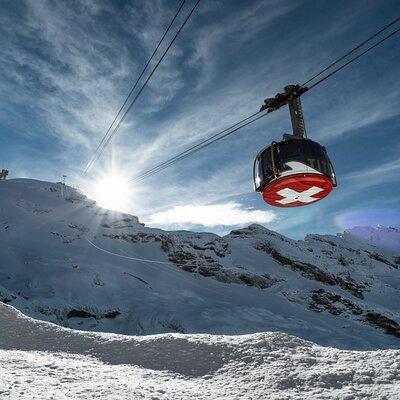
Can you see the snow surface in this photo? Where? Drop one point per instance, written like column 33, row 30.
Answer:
column 39, row 360
column 65, row 260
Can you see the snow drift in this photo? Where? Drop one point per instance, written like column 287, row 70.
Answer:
column 39, row 360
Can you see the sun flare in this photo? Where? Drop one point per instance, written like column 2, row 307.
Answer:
column 112, row 192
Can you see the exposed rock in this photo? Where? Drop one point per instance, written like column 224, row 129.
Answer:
column 333, row 303
column 380, row 321
column 378, row 257
column 75, row 313
column 312, row 271
column 173, row 326
column 78, row 227
column 80, row 314
column 337, row 305
column 112, row 314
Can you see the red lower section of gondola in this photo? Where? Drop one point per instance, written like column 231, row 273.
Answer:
column 297, row 190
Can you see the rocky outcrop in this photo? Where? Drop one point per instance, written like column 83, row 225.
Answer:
column 332, row 303
column 313, row 272
column 380, row 321
column 77, row 313
column 335, row 304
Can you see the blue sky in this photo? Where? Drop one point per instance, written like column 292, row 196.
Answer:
column 67, row 66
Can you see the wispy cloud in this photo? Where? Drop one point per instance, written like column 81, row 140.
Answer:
column 376, row 176
column 360, row 109
column 74, row 67
column 383, row 172
column 233, row 29
column 224, row 214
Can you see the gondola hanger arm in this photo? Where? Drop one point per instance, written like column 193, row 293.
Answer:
column 291, row 97
column 281, row 99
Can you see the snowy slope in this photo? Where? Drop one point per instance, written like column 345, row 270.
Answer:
column 39, row 360
column 65, row 260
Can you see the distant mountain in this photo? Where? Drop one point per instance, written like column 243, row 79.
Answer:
column 64, row 259
column 385, row 237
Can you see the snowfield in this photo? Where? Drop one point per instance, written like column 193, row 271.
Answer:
column 39, row 360
column 244, row 316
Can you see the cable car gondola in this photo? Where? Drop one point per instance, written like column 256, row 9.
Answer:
column 296, row 171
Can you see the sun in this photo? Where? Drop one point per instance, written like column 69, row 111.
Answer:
column 112, row 192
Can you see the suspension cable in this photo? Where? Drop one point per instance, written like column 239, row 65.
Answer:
column 352, row 51
column 200, row 147
column 91, row 161
column 245, row 122
column 190, row 149
column 107, row 141
column 354, row 58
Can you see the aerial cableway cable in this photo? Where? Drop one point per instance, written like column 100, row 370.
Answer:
column 202, row 145
column 354, row 59
column 92, row 160
column 352, row 51
column 248, row 120
column 115, row 130
column 190, row 149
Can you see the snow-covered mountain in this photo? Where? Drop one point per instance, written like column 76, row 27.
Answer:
column 387, row 238
column 65, row 260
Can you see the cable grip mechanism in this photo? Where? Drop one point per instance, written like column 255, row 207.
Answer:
column 290, row 96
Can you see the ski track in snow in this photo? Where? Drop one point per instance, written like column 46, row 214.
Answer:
column 39, row 360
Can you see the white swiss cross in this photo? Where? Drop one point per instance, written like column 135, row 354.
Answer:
column 291, row 196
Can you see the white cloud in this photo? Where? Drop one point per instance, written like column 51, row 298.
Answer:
column 224, row 214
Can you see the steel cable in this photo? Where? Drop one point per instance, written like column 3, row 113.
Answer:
column 234, row 128
column 107, row 141
column 91, row 161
